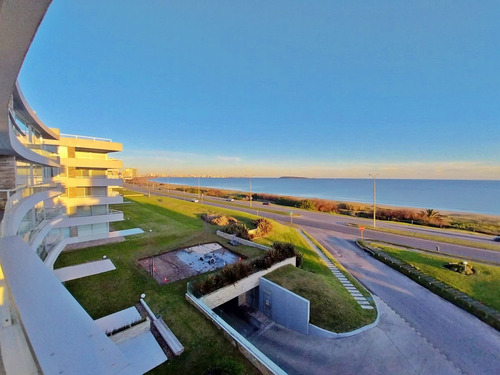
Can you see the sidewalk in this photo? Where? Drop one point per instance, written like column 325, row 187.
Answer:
column 355, row 293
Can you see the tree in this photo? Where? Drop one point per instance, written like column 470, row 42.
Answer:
column 431, row 215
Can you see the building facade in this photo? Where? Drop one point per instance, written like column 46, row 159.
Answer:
column 55, row 191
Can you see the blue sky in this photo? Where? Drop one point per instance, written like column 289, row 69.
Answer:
column 269, row 88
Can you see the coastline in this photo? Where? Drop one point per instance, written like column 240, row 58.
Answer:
column 461, row 196
column 470, row 221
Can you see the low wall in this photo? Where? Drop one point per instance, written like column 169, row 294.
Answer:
column 131, row 332
column 229, row 292
column 283, row 306
column 254, row 355
column 241, row 240
column 321, row 332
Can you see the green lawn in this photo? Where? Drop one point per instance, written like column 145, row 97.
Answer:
column 170, row 224
column 331, row 305
column 483, row 285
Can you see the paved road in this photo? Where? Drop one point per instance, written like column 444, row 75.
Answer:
column 337, row 224
column 471, row 345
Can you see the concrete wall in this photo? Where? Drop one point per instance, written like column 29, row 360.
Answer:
column 254, row 355
column 131, row 332
column 241, row 240
column 229, row 292
column 7, row 172
column 284, row 307
column 7, row 177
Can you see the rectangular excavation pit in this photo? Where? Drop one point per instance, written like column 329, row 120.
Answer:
column 183, row 263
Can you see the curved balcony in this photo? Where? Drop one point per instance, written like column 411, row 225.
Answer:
column 75, row 220
column 21, row 202
column 11, row 144
column 92, row 200
column 93, row 162
column 90, row 181
column 38, row 234
column 28, row 116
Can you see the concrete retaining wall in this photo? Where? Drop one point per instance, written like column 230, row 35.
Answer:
column 241, row 240
column 229, row 292
column 254, row 355
column 131, row 332
column 283, row 306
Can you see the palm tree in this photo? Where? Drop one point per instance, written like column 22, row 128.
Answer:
column 430, row 215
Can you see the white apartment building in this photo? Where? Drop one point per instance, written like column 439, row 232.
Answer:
column 55, row 191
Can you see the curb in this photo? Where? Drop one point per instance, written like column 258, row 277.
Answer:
column 330, row 334
column 486, row 314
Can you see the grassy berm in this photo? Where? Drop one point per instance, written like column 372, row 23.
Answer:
column 483, row 285
column 170, row 224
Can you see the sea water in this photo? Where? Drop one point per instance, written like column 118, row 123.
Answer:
column 475, row 196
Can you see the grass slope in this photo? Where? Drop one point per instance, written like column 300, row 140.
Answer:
column 483, row 285
column 331, row 305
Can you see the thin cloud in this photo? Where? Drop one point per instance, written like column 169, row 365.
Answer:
column 229, row 158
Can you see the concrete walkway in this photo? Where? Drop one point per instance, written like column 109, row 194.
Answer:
column 83, row 270
column 355, row 293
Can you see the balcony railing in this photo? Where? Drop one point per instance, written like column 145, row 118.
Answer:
column 26, row 191
column 85, row 137
column 47, row 245
column 48, row 214
column 97, row 195
column 30, row 141
column 107, row 212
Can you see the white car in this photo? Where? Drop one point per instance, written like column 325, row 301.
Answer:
column 194, row 200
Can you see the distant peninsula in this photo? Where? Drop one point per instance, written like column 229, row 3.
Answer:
column 296, row 177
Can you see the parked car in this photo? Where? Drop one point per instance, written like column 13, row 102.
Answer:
column 194, row 200
column 266, row 203
column 229, row 199
column 497, row 239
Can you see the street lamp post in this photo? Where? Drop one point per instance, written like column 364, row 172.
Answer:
column 199, row 187
column 250, row 179
column 374, row 176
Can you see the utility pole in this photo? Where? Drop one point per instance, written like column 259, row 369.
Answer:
column 374, row 176
column 250, row 179
column 199, row 196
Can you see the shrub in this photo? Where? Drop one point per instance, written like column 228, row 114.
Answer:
column 264, row 227
column 218, row 219
column 238, row 229
column 215, row 193
column 230, row 274
column 306, row 204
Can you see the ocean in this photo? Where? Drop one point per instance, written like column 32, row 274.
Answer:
column 472, row 196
